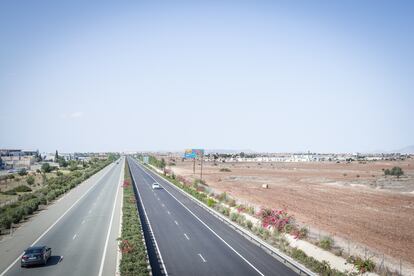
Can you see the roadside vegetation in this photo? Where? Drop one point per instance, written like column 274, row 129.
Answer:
column 395, row 171
column 132, row 245
column 27, row 199
column 157, row 163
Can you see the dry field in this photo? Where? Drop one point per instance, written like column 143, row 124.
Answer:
column 353, row 201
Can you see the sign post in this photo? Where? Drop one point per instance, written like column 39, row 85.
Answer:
column 194, row 154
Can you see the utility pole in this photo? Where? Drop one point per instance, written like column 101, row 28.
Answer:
column 194, row 165
column 201, row 171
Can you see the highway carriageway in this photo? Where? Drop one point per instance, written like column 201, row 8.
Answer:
column 81, row 227
column 184, row 239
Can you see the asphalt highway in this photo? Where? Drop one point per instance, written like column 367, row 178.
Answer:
column 81, row 228
column 191, row 241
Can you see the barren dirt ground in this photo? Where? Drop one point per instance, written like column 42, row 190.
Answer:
column 354, row 201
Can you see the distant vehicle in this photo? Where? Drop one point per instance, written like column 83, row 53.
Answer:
column 155, row 185
column 36, row 255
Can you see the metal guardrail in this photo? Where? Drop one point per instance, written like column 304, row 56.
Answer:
column 274, row 252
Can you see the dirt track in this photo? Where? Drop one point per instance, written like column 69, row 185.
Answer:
column 354, row 201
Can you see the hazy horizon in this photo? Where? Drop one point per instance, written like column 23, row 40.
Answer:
column 270, row 76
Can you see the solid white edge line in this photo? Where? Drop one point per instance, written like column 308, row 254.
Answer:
column 149, row 224
column 217, row 235
column 119, row 255
column 186, row 236
column 118, row 187
column 50, row 227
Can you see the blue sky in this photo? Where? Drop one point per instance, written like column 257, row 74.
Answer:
column 326, row 76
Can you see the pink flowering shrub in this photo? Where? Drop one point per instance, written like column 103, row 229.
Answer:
column 126, row 247
column 241, row 208
column 183, row 180
column 126, row 184
column 274, row 218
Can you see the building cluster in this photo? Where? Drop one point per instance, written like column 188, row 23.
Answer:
column 303, row 157
column 15, row 159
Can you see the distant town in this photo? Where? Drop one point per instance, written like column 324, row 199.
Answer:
column 229, row 157
column 13, row 160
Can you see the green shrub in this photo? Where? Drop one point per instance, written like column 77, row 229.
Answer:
column 22, row 189
column 288, row 228
column 231, row 202
column 362, row 265
column 250, row 210
column 234, row 216
column 241, row 219
column 22, row 172
column 303, row 233
column 224, row 210
column 265, row 234
column 249, row 224
column 46, row 168
column 30, row 180
column 225, row 170
column 323, row 268
column 211, row 202
column 326, row 243
column 9, row 192
column 222, row 197
column 6, row 221
column 397, row 171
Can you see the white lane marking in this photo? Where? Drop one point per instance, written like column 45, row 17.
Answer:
column 176, row 222
column 202, row 222
column 74, row 236
column 186, row 236
column 168, row 212
column 119, row 255
column 50, row 227
column 89, row 211
column 150, row 227
column 162, row 204
column 158, row 198
column 201, row 256
column 83, row 221
column 110, row 226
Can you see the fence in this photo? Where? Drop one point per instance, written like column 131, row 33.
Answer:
column 384, row 265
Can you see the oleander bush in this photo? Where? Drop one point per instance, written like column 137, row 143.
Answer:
column 278, row 219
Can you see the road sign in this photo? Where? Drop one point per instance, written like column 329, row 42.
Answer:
column 193, row 153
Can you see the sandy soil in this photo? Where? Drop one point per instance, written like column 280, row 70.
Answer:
column 353, row 201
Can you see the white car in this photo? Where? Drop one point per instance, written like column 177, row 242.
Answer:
column 155, row 185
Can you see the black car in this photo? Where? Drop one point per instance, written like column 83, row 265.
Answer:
column 36, row 255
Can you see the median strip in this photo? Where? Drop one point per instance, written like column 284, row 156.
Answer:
column 134, row 260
